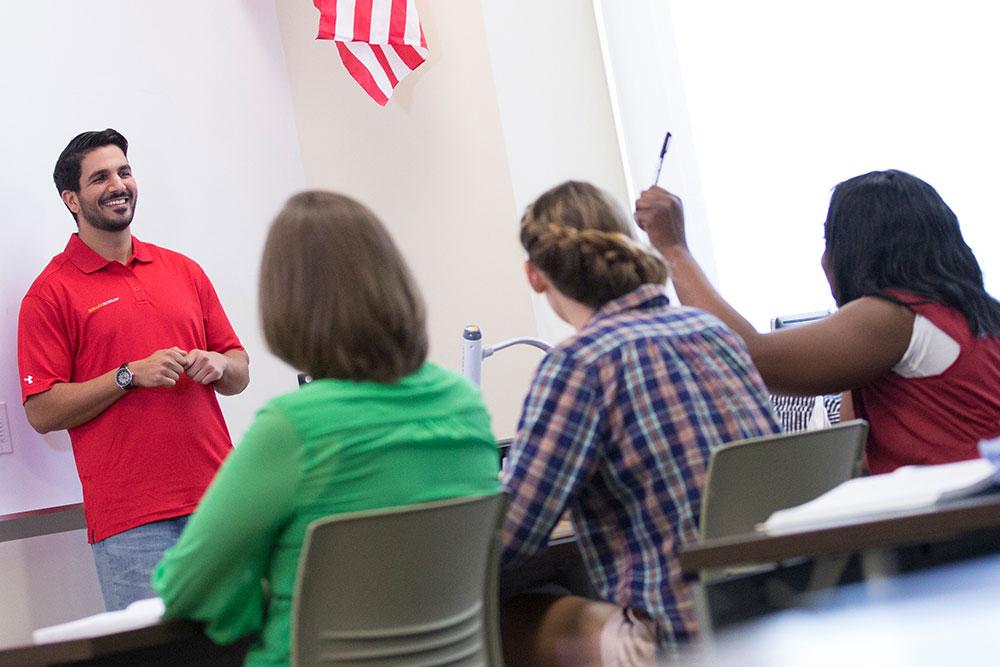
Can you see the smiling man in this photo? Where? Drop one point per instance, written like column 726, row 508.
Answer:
column 125, row 344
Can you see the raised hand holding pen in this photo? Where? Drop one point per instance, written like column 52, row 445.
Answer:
column 661, row 215
column 663, row 154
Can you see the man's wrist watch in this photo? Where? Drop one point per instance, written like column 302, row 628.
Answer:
column 124, row 377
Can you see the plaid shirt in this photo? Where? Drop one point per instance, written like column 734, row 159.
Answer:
column 618, row 427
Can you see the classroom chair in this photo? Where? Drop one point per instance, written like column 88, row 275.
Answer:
column 414, row 585
column 749, row 480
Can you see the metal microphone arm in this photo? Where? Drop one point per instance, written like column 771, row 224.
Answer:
column 534, row 342
column 473, row 351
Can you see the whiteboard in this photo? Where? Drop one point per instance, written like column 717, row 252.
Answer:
column 200, row 89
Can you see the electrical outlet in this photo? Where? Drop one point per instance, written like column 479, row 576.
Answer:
column 6, row 446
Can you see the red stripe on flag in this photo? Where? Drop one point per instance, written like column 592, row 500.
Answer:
column 423, row 40
column 409, row 55
column 362, row 20
column 384, row 62
column 361, row 74
column 397, row 22
column 327, row 18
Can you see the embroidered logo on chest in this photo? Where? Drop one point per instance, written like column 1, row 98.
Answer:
column 102, row 304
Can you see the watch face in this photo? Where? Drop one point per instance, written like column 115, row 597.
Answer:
column 123, row 378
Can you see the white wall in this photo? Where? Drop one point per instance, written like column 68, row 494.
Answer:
column 648, row 95
column 200, row 89
column 788, row 98
column 555, row 110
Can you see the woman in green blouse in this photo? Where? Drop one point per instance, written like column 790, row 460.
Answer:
column 378, row 427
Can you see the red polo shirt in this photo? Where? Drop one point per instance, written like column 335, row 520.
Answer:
column 152, row 454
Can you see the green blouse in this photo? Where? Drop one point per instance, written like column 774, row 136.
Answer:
column 330, row 447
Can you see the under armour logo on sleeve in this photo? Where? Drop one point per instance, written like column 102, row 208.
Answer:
column 29, row 380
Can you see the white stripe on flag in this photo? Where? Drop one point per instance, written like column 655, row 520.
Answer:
column 412, row 34
column 396, row 63
column 344, row 30
column 363, row 51
column 380, row 21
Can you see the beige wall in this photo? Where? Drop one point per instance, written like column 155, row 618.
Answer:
column 555, row 108
column 433, row 166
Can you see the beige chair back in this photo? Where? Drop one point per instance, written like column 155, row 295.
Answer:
column 749, row 480
column 413, row 585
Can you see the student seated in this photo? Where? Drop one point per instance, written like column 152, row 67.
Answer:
column 621, row 418
column 916, row 339
column 379, row 426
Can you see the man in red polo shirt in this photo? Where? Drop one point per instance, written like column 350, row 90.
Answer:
column 126, row 345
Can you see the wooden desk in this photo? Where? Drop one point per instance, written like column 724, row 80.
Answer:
column 942, row 616
column 809, row 560
column 173, row 642
column 178, row 642
column 939, row 524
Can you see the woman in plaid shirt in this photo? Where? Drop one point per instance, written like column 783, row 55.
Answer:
column 622, row 417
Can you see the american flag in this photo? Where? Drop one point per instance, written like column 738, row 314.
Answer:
column 380, row 41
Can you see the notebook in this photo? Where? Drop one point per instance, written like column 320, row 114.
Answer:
column 140, row 614
column 905, row 489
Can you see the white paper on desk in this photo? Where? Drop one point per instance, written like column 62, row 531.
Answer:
column 139, row 614
column 906, row 488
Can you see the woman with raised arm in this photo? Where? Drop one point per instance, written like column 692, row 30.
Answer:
column 916, row 337
column 618, row 427
column 379, row 426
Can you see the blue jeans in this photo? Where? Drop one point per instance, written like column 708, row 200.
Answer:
column 125, row 561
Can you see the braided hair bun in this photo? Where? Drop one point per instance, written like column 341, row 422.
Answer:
column 582, row 240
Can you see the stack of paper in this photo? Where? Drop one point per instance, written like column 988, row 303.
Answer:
column 139, row 614
column 906, row 489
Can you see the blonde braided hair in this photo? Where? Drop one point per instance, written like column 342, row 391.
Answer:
column 582, row 240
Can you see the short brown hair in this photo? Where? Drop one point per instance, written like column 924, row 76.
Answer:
column 582, row 240
column 336, row 298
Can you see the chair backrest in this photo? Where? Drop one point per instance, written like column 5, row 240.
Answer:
column 749, row 480
column 414, row 585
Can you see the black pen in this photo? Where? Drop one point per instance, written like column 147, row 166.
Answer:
column 663, row 154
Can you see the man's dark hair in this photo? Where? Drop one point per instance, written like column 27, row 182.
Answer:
column 67, row 171
column 888, row 230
